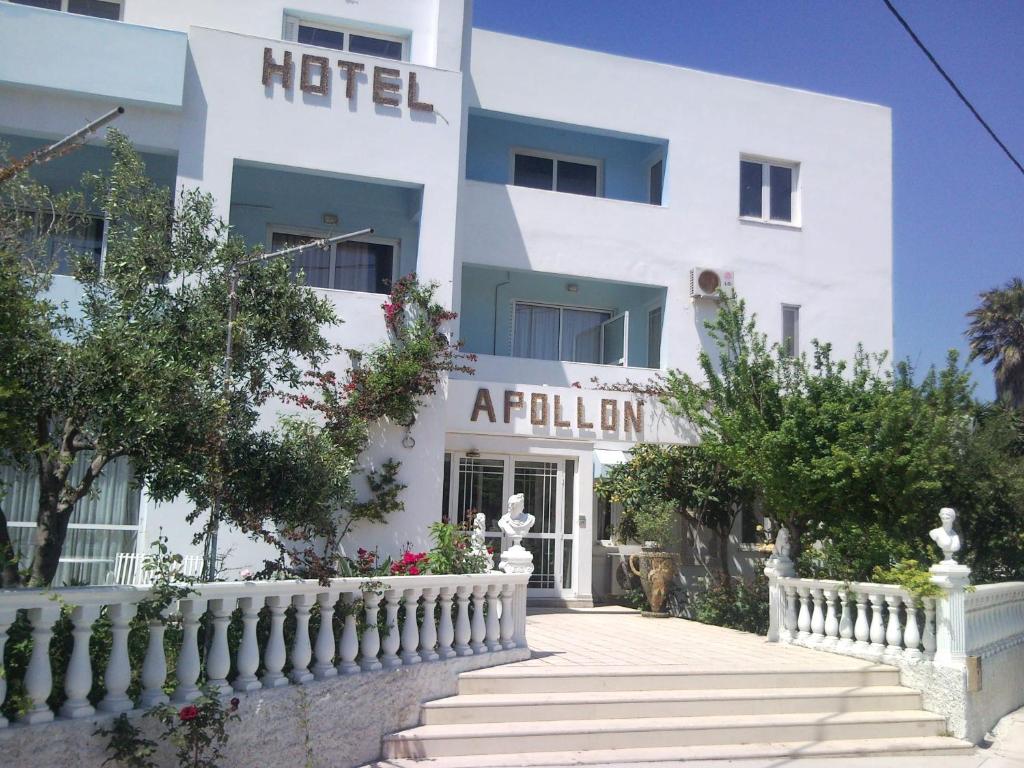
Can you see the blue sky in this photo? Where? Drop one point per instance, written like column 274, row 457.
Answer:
column 958, row 214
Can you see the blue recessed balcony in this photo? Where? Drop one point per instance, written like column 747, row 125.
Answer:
column 84, row 55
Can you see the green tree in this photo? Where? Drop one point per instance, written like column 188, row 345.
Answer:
column 996, row 334
column 136, row 368
column 686, row 481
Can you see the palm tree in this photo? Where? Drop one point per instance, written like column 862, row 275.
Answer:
column 996, row 334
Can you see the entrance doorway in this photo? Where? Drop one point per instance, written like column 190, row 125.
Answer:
column 483, row 484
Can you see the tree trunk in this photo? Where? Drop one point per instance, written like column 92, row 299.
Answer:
column 722, row 538
column 10, row 577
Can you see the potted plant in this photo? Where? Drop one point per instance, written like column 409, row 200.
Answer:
column 654, row 526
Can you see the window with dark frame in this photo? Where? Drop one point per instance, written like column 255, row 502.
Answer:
column 341, row 38
column 555, row 173
column 353, row 265
column 100, row 9
column 766, row 191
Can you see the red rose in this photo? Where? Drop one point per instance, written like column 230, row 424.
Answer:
column 414, row 571
column 188, row 713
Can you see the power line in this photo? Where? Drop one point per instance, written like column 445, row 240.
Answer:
column 953, row 85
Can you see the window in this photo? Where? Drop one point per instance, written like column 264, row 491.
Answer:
column 342, row 38
column 767, row 191
column 656, row 183
column 654, row 338
column 103, row 524
column 101, row 9
column 544, row 332
column 790, row 330
column 577, row 176
column 354, row 265
column 74, row 236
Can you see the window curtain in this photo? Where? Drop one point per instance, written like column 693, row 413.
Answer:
column 314, row 263
column 89, row 553
column 536, row 332
column 355, row 268
column 581, row 335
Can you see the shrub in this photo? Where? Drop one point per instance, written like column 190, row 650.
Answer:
column 735, row 604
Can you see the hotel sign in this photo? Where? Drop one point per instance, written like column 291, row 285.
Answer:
column 317, row 72
column 562, row 413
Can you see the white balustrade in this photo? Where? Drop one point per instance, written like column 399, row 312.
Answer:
column 893, row 631
column 78, row 677
column 911, row 633
column 845, row 622
column 831, row 621
column 442, row 617
column 928, row 640
column 803, row 621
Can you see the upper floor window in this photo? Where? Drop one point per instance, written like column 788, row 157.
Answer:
column 101, row 9
column 767, row 191
column 790, row 330
column 656, row 183
column 342, row 38
column 561, row 173
column 354, row 265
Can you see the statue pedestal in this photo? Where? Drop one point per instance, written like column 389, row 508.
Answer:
column 516, row 559
column 950, row 620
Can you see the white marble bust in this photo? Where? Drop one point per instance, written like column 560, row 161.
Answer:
column 945, row 537
column 516, row 522
column 780, row 551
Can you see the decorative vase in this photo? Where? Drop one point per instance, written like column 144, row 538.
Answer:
column 656, row 570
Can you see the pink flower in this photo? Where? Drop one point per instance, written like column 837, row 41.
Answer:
column 245, row 574
column 188, row 713
column 414, row 571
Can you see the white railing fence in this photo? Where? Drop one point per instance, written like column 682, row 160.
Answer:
column 130, row 569
column 959, row 629
column 231, row 636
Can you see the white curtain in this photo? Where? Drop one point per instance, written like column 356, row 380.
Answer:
column 581, row 335
column 355, row 267
column 536, row 332
column 314, row 263
column 89, row 553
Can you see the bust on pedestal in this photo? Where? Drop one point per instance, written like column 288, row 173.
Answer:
column 951, row 640
column 516, row 523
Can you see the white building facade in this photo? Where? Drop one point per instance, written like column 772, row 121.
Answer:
column 561, row 198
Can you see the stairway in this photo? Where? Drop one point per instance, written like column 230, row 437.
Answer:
column 533, row 716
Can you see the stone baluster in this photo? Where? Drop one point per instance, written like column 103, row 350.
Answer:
column 410, row 628
column 38, row 679
column 348, row 643
column 118, row 675
column 445, row 628
column 877, row 631
column 507, row 626
column 792, row 608
column 188, row 666
column 478, row 629
column 6, row 620
column 493, row 619
column 911, row 634
column 928, row 637
column 154, row 666
column 817, row 619
column 78, row 678
column 893, row 630
column 428, row 629
column 951, row 628
column 803, row 622
column 370, row 642
column 845, row 622
column 218, row 660
column 302, row 651
column 831, row 620
column 463, row 631
column 323, row 667
column 861, row 627
column 392, row 639
column 248, row 660
column 274, row 655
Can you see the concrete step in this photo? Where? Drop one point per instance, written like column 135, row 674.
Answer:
column 930, row 746
column 575, row 679
column 632, row 733
column 607, row 705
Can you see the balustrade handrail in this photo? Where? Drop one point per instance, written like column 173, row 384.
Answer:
column 425, row 618
column 864, row 587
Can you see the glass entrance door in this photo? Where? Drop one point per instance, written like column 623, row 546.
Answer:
column 484, row 483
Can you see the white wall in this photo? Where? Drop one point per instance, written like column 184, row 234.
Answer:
column 836, row 265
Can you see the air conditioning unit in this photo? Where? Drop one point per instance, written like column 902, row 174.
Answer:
column 706, row 282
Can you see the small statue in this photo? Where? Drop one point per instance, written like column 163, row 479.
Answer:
column 516, row 522
column 945, row 537
column 477, row 542
column 780, row 552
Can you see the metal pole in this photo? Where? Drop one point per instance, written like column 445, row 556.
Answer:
column 65, row 145
column 210, row 550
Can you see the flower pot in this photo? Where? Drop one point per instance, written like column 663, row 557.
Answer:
column 656, row 570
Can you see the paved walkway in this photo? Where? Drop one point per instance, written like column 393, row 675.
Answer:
column 620, row 637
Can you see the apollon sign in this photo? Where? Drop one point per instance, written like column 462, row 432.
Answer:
column 546, row 410
column 317, row 72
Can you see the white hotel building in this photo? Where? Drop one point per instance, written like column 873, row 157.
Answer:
column 560, row 197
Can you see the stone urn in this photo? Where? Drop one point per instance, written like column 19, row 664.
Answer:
column 656, row 570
